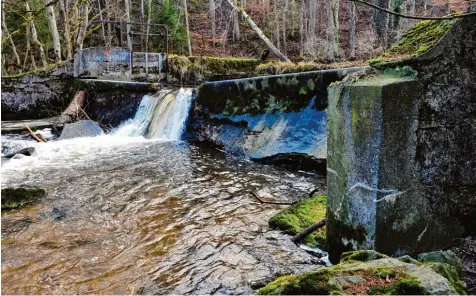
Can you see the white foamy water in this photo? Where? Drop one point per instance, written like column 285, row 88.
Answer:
column 162, row 115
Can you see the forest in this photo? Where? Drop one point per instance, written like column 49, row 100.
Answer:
column 41, row 33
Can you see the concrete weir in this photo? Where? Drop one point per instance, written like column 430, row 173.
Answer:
column 279, row 118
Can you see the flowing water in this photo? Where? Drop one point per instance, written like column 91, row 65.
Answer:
column 125, row 214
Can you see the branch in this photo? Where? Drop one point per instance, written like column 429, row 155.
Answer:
column 470, row 14
column 300, row 236
column 270, row 202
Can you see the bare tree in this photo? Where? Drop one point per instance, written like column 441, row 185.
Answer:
column 34, row 37
column 10, row 38
column 333, row 34
column 187, row 27
column 128, row 25
column 53, row 30
column 352, row 21
column 66, row 29
column 258, row 31
column 213, row 20
column 83, row 26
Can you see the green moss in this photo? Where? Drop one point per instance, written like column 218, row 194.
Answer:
column 297, row 217
column 320, row 282
column 451, row 274
column 42, row 72
column 361, row 256
column 310, row 283
column 419, row 39
column 406, row 286
column 14, row 198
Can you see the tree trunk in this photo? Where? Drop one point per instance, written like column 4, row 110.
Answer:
column 82, row 27
column 352, row 21
column 276, row 24
column 149, row 15
column 54, row 30
column 34, row 37
column 128, row 26
column 333, row 29
column 28, row 47
column 66, row 30
column 10, row 39
column 103, row 30
column 213, row 21
column 187, row 27
column 258, row 31
column 284, row 26
column 236, row 26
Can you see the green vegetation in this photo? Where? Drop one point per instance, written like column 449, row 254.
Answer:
column 14, row 198
column 205, row 67
column 451, row 274
column 361, row 256
column 419, row 39
column 346, row 279
column 169, row 15
column 297, row 217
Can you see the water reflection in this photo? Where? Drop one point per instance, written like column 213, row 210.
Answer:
column 129, row 215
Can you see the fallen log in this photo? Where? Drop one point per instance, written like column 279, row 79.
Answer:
column 300, row 236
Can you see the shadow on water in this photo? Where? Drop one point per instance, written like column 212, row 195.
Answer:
column 129, row 215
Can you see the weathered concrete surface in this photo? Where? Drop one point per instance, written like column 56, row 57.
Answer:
column 267, row 116
column 402, row 154
column 37, row 95
column 106, row 63
column 149, row 66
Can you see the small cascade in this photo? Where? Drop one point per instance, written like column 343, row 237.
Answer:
column 162, row 115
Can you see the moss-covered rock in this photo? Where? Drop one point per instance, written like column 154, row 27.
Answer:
column 386, row 276
column 361, row 256
column 297, row 217
column 14, row 198
column 447, row 257
column 419, row 39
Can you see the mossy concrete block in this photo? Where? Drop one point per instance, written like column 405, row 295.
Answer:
column 371, row 146
column 386, row 276
column 14, row 198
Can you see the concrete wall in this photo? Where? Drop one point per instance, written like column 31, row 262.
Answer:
column 100, row 62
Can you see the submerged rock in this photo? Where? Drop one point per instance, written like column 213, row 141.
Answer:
column 24, row 151
column 82, row 128
column 382, row 276
column 13, row 198
column 298, row 217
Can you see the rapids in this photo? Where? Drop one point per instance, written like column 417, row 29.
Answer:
column 129, row 215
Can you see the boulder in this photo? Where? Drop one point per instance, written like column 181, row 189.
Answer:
column 25, row 151
column 13, row 198
column 82, row 128
column 386, row 275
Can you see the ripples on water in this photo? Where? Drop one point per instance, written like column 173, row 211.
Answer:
column 130, row 216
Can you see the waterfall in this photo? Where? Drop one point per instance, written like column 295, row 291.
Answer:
column 162, row 115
